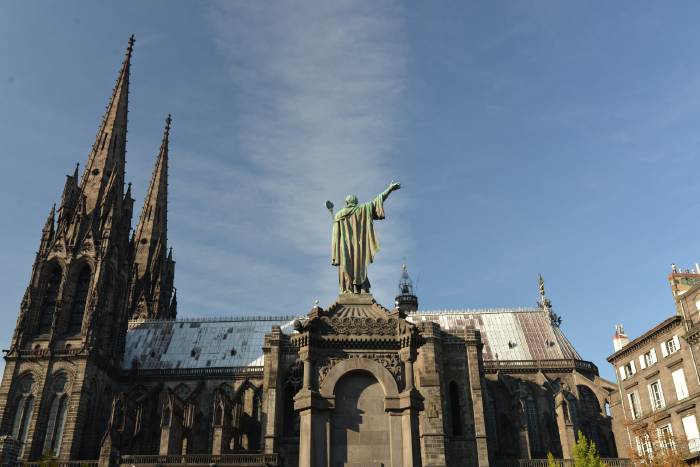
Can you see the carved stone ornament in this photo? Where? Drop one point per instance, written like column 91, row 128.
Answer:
column 391, row 362
column 359, row 326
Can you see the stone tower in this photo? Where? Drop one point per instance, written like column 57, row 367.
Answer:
column 151, row 292
column 68, row 343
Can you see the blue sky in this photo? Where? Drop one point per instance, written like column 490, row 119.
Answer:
column 530, row 137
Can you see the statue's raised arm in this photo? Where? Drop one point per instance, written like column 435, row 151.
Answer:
column 354, row 242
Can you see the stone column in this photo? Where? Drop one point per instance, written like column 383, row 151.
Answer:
column 271, row 417
column 524, row 441
column 429, row 369
column 567, row 436
column 313, row 419
column 411, row 403
column 475, row 369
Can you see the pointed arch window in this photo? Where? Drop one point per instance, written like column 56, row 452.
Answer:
column 48, row 306
column 533, row 426
column 455, row 410
column 24, row 410
column 57, row 415
column 80, row 295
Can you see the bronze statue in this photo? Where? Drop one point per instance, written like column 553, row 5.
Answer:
column 354, row 242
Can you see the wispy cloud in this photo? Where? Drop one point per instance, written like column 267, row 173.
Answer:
column 315, row 115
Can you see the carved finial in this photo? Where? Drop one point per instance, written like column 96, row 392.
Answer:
column 541, row 283
column 316, row 302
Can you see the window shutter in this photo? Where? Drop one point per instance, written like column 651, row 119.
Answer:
column 664, row 350
column 622, row 373
column 653, row 355
column 642, row 363
column 677, row 341
column 634, row 369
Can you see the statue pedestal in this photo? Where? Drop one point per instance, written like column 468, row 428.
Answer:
column 355, row 299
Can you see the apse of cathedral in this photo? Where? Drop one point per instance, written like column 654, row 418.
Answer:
column 100, row 370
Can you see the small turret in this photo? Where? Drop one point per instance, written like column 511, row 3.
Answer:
column 406, row 300
column 620, row 339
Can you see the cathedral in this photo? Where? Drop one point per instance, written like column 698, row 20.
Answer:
column 100, row 371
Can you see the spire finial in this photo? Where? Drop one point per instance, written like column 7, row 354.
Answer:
column 130, row 47
column 541, row 283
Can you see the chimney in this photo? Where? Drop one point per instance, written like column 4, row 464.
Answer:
column 620, row 339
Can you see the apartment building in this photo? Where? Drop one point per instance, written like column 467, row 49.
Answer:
column 658, row 407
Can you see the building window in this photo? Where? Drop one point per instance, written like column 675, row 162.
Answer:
column 665, row 435
column 57, row 415
column 628, row 370
column 690, row 426
column 648, row 359
column 680, row 384
column 671, row 346
column 656, row 395
column 644, row 448
column 455, row 410
column 635, row 406
column 24, row 407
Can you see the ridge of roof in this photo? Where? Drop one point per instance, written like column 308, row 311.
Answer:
column 216, row 319
column 476, row 311
column 638, row 340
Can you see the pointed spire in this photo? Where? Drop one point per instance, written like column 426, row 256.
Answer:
column 51, row 219
column 151, row 230
column 152, row 260
column 107, row 157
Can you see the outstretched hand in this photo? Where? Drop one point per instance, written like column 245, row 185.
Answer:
column 394, row 186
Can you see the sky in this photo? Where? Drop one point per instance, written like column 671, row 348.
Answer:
column 548, row 137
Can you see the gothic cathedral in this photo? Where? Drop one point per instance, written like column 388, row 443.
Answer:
column 101, row 371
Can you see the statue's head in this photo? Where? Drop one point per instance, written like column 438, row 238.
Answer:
column 351, row 201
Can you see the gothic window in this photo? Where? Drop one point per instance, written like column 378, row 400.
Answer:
column 589, row 402
column 24, row 409
column 533, row 426
column 80, row 294
column 455, row 410
column 57, row 415
column 48, row 305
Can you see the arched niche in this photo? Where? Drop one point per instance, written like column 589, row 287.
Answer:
column 376, row 369
column 359, row 425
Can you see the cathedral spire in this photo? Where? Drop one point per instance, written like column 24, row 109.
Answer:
column 106, row 163
column 153, row 263
column 152, row 229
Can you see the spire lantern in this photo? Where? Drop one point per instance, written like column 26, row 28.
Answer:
column 406, row 300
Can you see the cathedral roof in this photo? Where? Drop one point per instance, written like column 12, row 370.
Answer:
column 508, row 335
column 199, row 343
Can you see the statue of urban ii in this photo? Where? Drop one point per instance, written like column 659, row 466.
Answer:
column 354, row 242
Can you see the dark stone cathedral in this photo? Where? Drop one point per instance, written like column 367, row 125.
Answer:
column 101, row 372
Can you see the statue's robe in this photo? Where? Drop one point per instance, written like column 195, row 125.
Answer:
column 354, row 243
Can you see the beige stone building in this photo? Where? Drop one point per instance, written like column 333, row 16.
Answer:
column 657, row 407
column 100, row 370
